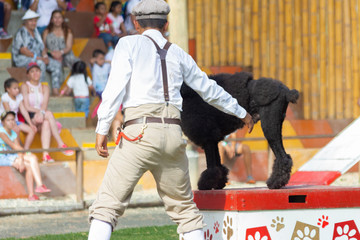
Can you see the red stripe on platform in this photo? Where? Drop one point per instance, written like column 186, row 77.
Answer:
column 313, row 178
column 288, row 198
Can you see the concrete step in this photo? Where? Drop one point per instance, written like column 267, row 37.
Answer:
column 61, row 104
column 85, row 138
column 71, row 119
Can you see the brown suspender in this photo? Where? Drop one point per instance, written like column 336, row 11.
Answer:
column 162, row 53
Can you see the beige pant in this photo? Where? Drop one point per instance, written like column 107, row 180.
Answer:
column 162, row 152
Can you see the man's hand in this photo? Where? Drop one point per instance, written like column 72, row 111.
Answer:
column 101, row 145
column 248, row 122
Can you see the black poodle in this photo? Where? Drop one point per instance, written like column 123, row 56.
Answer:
column 265, row 99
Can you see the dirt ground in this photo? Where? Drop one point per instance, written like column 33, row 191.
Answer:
column 22, row 226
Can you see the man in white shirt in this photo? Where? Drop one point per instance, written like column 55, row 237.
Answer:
column 152, row 137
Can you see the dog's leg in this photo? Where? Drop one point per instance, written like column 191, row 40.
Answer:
column 272, row 117
column 215, row 176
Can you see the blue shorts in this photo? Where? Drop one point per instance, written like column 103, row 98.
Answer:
column 8, row 159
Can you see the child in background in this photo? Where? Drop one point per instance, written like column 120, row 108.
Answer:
column 103, row 26
column 12, row 100
column 20, row 161
column 81, row 84
column 100, row 71
column 117, row 19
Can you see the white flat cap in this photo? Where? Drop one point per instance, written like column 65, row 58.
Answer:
column 151, row 9
column 30, row 14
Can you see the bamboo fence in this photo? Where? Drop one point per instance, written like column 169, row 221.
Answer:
column 310, row 45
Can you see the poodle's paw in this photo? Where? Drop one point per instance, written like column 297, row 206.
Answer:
column 213, row 178
column 280, row 174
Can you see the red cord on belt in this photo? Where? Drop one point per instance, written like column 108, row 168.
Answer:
column 122, row 134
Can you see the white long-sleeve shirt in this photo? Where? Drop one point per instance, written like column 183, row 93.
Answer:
column 136, row 79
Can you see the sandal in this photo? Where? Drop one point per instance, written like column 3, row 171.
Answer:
column 47, row 159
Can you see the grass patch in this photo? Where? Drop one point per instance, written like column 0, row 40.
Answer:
column 143, row 233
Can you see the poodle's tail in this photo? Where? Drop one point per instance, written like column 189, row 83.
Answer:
column 292, row 95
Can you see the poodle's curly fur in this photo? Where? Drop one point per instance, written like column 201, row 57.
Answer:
column 265, row 99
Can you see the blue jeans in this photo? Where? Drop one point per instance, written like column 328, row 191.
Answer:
column 41, row 29
column 82, row 105
column 107, row 37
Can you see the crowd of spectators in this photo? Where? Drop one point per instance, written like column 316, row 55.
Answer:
column 44, row 44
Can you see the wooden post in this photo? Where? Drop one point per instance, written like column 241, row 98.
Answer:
column 79, row 177
column 198, row 32
column 297, row 46
column 215, row 32
column 281, row 41
column 273, row 50
column 255, row 38
column 331, row 61
column 239, row 29
column 208, row 35
column 339, row 77
column 305, row 59
column 179, row 23
column 347, row 91
column 191, row 19
column 223, row 32
column 355, row 60
column 247, row 33
column 264, row 55
column 231, row 32
column 289, row 76
column 323, row 49
column 314, row 83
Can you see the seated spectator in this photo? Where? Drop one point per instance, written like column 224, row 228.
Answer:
column 103, row 26
column 36, row 99
column 129, row 17
column 20, row 161
column 44, row 8
column 81, row 85
column 100, row 71
column 12, row 100
column 58, row 40
column 28, row 47
column 117, row 19
column 5, row 13
column 231, row 150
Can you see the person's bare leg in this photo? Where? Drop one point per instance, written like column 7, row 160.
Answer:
column 55, row 92
column 30, row 134
column 29, row 180
column 31, row 160
column 247, row 159
column 53, row 127
column 45, row 136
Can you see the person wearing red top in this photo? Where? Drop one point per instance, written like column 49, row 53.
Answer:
column 103, row 26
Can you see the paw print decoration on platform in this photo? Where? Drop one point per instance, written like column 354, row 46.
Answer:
column 303, row 231
column 346, row 231
column 278, row 223
column 258, row 233
column 216, row 227
column 228, row 228
column 208, row 235
column 323, row 221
